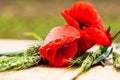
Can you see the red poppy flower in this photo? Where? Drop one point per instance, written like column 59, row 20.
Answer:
column 60, row 45
column 84, row 17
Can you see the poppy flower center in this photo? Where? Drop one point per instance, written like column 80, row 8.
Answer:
column 82, row 26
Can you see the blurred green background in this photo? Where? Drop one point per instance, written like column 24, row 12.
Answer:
column 39, row 16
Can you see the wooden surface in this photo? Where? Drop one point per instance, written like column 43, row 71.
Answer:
column 42, row 72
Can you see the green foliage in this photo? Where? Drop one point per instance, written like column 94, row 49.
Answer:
column 14, row 27
column 116, row 60
column 20, row 60
column 87, row 62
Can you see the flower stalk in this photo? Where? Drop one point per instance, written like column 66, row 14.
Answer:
column 20, row 60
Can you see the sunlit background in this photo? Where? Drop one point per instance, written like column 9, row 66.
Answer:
column 39, row 16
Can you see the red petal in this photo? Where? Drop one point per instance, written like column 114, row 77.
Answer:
column 60, row 45
column 64, row 53
column 84, row 44
column 82, row 13
column 97, row 36
column 69, row 19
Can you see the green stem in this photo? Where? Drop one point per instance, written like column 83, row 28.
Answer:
column 35, row 36
column 9, row 54
column 77, row 61
column 21, row 60
column 85, row 66
column 115, row 36
column 116, row 61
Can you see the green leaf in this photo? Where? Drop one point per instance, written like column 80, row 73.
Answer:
column 115, row 36
column 85, row 66
column 104, row 55
column 35, row 36
column 109, row 29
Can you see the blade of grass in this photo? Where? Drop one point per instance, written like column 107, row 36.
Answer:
column 116, row 36
column 34, row 35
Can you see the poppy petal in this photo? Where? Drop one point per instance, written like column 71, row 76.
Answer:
column 69, row 19
column 97, row 36
column 60, row 45
column 84, row 44
column 64, row 53
column 82, row 13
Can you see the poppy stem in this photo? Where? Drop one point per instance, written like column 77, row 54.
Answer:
column 116, row 36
